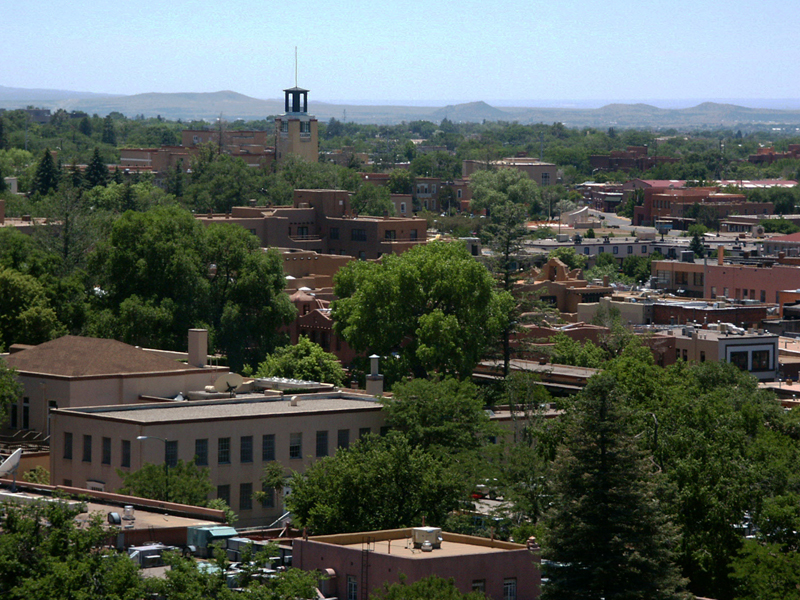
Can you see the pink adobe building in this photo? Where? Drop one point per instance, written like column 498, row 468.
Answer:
column 322, row 221
column 358, row 564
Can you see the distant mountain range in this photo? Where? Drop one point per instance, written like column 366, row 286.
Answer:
column 232, row 105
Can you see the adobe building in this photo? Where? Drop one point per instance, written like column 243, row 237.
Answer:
column 633, row 157
column 323, row 222
column 359, row 564
column 563, row 288
column 541, row 172
column 234, row 438
column 296, row 130
column 76, row 371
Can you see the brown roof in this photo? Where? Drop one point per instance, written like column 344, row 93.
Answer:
column 74, row 356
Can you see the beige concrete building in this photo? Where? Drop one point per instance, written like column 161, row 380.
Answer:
column 81, row 371
column 234, row 438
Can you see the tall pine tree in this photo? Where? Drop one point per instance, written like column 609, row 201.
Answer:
column 607, row 535
column 96, row 171
column 109, row 134
column 47, row 175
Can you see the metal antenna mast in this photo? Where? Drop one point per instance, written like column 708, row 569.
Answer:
column 295, row 66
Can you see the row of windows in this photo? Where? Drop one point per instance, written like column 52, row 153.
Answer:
column 105, row 450
column 201, row 448
column 615, row 249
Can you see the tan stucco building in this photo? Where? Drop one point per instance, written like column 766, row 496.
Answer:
column 234, row 438
column 76, row 371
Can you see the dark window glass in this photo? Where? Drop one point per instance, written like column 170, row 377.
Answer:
column 87, row 448
column 125, row 460
column 322, row 443
column 245, row 496
column 343, row 438
column 224, row 451
column 201, row 452
column 67, row 445
column 246, row 449
column 171, row 453
column 106, row 458
column 268, row 446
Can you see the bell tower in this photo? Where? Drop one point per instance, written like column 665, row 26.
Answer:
column 296, row 130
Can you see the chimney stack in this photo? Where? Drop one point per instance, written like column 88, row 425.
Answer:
column 374, row 379
column 198, row 347
column 720, row 255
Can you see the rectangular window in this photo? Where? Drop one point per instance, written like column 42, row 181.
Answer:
column 125, row 454
column 26, row 413
column 763, row 295
column 545, row 178
column 106, row 451
column 87, row 448
column 630, row 249
column 67, row 445
column 358, row 235
column 364, row 431
column 201, row 452
column 616, row 249
column 601, row 250
column 739, row 359
column 697, row 279
column 268, row 447
column 245, row 496
column 246, row 449
column 268, row 499
column 14, row 415
column 224, row 493
column 586, row 250
column 322, row 444
column 352, row 588
column 510, row 589
column 702, row 356
column 171, row 453
column 761, row 361
column 334, row 233
column 412, row 235
column 644, row 249
column 479, row 585
column 295, row 445
column 343, row 438
column 224, row 451
column 390, row 234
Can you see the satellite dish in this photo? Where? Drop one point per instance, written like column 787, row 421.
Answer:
column 11, row 463
column 227, row 384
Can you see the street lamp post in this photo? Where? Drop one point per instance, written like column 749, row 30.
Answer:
column 166, row 463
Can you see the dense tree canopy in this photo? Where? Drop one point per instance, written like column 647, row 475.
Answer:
column 304, row 360
column 378, row 483
column 434, row 305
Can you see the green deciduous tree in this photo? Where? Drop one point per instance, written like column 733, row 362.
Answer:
column 491, row 188
column 378, row 483
column 442, row 416
column 10, row 389
column 184, row 483
column 401, row 182
column 26, row 316
column 607, row 533
column 372, row 200
column 304, row 360
column 60, row 560
column 109, row 134
column 434, row 305
column 569, row 257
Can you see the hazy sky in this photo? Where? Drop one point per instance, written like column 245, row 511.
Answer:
column 423, row 51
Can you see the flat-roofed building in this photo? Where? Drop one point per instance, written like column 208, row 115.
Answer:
column 359, row 564
column 234, row 438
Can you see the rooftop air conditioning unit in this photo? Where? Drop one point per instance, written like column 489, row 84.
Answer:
column 431, row 535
